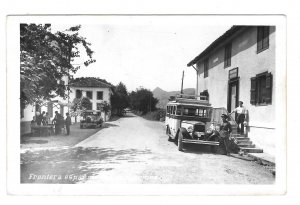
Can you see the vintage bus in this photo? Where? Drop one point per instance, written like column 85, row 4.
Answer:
column 187, row 120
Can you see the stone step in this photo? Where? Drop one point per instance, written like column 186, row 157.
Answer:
column 244, row 142
column 238, row 135
column 251, row 150
column 247, row 145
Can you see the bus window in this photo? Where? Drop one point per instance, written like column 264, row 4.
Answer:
column 168, row 110
column 202, row 112
column 178, row 110
column 189, row 111
column 173, row 110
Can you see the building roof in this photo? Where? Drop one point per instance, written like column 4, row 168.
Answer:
column 229, row 33
column 90, row 82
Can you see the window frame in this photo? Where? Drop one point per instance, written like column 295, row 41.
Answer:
column 263, row 42
column 90, row 92
column 261, row 96
column 227, row 55
column 78, row 91
column 206, row 67
column 98, row 95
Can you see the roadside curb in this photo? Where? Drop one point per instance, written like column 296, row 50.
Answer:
column 263, row 158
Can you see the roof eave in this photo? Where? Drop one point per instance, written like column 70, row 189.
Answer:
column 230, row 32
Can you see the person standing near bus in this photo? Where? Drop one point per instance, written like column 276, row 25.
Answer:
column 225, row 130
column 241, row 116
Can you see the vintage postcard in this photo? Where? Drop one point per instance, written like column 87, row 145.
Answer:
column 146, row 105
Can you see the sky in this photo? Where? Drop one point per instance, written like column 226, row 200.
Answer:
column 146, row 52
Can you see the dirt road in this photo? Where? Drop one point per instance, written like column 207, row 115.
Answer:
column 135, row 150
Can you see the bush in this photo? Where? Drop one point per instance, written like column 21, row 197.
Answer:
column 158, row 115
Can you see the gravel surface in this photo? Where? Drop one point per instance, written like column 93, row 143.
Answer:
column 134, row 150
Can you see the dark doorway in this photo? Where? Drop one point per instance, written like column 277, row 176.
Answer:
column 233, row 94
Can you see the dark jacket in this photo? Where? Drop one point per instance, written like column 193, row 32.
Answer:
column 68, row 121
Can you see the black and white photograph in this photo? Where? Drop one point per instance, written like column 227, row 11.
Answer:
column 193, row 100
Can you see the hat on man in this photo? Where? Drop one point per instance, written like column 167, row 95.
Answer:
column 224, row 116
column 241, row 102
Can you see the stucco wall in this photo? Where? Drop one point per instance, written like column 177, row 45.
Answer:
column 249, row 63
column 106, row 94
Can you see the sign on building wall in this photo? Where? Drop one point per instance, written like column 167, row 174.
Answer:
column 233, row 73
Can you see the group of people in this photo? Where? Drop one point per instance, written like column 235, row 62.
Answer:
column 58, row 121
column 41, row 119
column 222, row 132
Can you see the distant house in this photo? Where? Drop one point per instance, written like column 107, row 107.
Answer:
column 240, row 65
column 97, row 90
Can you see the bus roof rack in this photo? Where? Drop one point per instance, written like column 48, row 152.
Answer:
column 194, row 99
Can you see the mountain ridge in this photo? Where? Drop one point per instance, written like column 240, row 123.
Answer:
column 163, row 96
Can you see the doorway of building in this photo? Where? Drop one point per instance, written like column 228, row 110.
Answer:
column 233, row 95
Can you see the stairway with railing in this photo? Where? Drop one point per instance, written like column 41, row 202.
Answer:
column 243, row 141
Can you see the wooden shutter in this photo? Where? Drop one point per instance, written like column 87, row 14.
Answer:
column 265, row 40
column 259, row 38
column 269, row 79
column 253, row 91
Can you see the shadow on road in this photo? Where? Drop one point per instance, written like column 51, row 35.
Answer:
column 200, row 149
column 34, row 141
column 107, row 125
column 72, row 165
column 115, row 117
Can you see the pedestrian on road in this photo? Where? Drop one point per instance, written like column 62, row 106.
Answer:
column 47, row 119
column 56, row 122
column 241, row 116
column 39, row 118
column 68, row 123
column 225, row 131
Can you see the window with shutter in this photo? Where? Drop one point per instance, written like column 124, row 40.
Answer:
column 253, row 91
column 261, row 89
column 205, row 68
column 269, row 88
column 262, row 38
column 227, row 56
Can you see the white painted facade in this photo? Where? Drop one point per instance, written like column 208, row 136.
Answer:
column 106, row 94
column 30, row 110
column 244, row 56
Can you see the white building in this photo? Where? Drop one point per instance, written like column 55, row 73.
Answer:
column 95, row 89
column 240, row 65
column 56, row 104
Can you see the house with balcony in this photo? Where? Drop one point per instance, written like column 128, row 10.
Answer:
column 98, row 91
column 240, row 66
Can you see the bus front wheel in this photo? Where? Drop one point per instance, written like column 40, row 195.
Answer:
column 180, row 143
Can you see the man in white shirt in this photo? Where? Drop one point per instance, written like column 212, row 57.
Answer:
column 241, row 116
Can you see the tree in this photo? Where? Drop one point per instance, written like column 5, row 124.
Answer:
column 105, row 108
column 46, row 58
column 142, row 100
column 80, row 105
column 120, row 99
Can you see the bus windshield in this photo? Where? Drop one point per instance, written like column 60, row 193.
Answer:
column 193, row 111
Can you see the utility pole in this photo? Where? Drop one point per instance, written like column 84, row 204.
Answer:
column 182, row 82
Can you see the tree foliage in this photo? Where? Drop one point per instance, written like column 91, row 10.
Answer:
column 142, row 100
column 46, row 58
column 120, row 99
column 79, row 105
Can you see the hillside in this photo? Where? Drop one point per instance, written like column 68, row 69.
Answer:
column 163, row 96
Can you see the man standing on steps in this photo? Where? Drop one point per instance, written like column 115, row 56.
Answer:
column 241, row 116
